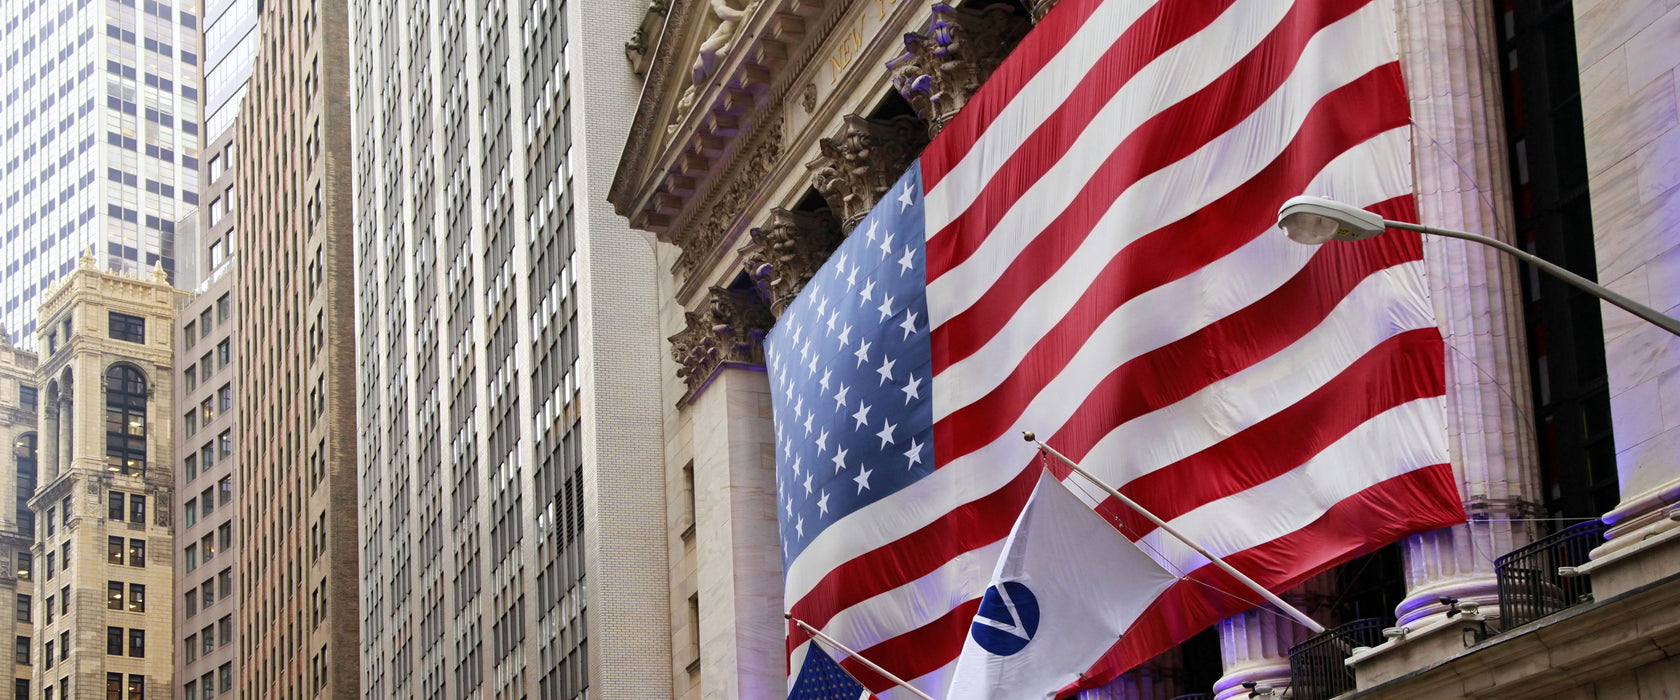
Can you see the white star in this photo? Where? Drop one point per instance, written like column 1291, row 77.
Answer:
column 822, row 441
column 790, row 505
column 904, row 201
column 839, row 459
column 808, row 418
column 799, row 526
column 909, row 324
column 914, row 453
column 824, row 382
column 796, row 466
column 886, row 246
column 840, row 266
column 851, row 276
column 808, row 482
column 832, row 317
column 805, row 352
column 868, row 291
column 885, row 370
column 840, row 398
column 862, row 415
column 799, row 407
column 822, row 503
column 912, row 389
column 908, row 261
column 846, row 335
column 873, row 224
column 862, row 353
column 796, row 335
column 822, row 305
column 886, row 307
column 811, row 368
column 886, row 434
column 862, row 479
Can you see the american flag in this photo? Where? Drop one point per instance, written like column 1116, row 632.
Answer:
column 1088, row 251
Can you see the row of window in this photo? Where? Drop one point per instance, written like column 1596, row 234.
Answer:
column 205, row 459
column 136, row 638
column 134, row 602
column 206, row 548
column 205, row 687
column 204, row 368
column 205, row 502
column 206, row 642
column 205, row 595
column 133, row 554
column 206, row 322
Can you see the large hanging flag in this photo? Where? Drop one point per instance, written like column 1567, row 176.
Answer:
column 1088, row 251
column 1066, row 588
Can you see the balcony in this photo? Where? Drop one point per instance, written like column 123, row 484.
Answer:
column 1316, row 667
column 1530, row 586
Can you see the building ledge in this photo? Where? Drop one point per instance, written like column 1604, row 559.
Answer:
column 1576, row 647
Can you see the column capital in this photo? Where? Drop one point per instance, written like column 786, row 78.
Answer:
column 862, row 161
column 940, row 70
column 787, row 251
column 729, row 330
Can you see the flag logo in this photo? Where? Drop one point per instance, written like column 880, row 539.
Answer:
column 1007, row 619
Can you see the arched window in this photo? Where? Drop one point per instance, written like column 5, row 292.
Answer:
column 125, row 420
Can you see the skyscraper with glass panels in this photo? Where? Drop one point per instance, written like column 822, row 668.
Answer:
column 99, row 138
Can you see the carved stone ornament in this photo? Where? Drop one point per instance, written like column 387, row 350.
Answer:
column 698, row 242
column 1040, row 8
column 940, row 70
column 787, row 251
column 729, row 330
column 862, row 162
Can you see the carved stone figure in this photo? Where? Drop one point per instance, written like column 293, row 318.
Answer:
column 730, row 330
column 860, row 164
column 787, row 251
column 940, row 70
column 717, row 44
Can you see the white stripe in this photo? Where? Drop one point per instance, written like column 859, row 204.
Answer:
column 1360, row 175
column 1033, row 103
column 1386, row 304
column 916, row 603
column 936, row 683
column 1412, row 435
column 1217, row 167
column 1177, row 73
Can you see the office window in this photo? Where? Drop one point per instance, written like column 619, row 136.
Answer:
column 52, row 517
column 20, row 688
column 50, row 610
column 225, row 673
column 137, row 643
column 224, row 398
column 208, row 593
column 136, row 687
column 21, row 649
column 113, row 595
column 64, row 554
column 224, row 536
column 207, row 547
column 191, row 377
column 192, row 602
column 113, row 686
column 128, row 327
column 224, row 353
column 190, row 334
column 64, row 645
column 137, row 509
column 192, row 512
column 224, row 581
column 117, row 505
column 192, row 557
column 224, row 445
column 209, row 500
column 224, row 308
column 26, row 562
column 207, row 684
column 136, row 598
column 207, row 639
column 137, row 553
column 64, row 600
column 191, row 462
column 64, row 511
column 191, row 424
column 192, row 654
column 125, row 420
column 24, row 603
column 47, row 658
column 114, row 641
column 226, row 487
column 117, row 549
column 52, row 565
column 224, row 629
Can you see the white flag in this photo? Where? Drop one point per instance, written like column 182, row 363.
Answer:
column 1067, row 586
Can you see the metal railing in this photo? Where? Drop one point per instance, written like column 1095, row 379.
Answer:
column 1530, row 586
column 1317, row 668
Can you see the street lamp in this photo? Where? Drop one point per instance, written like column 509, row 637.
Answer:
column 1315, row 220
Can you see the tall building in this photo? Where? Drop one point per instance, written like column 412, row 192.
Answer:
column 103, row 573
column 101, row 136
column 512, row 506
column 207, row 648
column 19, row 401
column 764, row 127
column 294, row 386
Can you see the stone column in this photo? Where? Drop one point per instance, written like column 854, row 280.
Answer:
column 1448, row 56
column 66, row 435
column 46, row 458
column 1158, row 679
column 1255, row 648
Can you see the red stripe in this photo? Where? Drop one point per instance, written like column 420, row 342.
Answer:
column 1167, row 137
column 1404, row 368
column 918, row 652
column 1421, row 500
column 1159, row 28
column 965, row 528
column 1155, row 259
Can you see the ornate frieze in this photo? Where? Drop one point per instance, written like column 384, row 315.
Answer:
column 861, row 163
column 940, row 70
column 786, row 252
column 729, row 330
column 698, row 242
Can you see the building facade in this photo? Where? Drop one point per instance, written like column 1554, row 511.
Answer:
column 105, row 530
column 19, row 402
column 101, row 139
column 294, row 381
column 512, row 502
column 1561, row 139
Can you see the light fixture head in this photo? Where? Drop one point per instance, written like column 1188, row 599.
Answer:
column 1395, row 632
column 1568, row 572
column 1470, row 607
column 1314, row 220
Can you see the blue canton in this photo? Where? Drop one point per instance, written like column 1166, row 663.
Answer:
column 850, row 374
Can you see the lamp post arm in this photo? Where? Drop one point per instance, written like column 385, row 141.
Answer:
column 1667, row 323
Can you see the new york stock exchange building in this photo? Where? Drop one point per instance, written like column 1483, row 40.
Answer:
column 768, row 129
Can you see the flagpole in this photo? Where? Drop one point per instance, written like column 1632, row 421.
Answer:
column 1299, row 616
column 866, row 662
